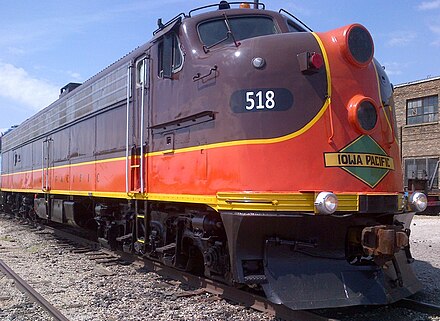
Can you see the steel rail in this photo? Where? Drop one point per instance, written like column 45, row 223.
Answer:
column 248, row 299
column 34, row 295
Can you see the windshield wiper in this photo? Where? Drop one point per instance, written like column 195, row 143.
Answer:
column 229, row 34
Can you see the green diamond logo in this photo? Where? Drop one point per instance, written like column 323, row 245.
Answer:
column 364, row 159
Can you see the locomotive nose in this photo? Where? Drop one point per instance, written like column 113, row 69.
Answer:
column 354, row 74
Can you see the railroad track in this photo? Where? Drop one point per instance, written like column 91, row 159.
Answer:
column 24, row 287
column 106, row 257
column 93, row 251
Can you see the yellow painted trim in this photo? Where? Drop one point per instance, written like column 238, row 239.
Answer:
column 90, row 163
column 348, row 202
column 234, row 201
column 250, row 141
column 21, row 173
column 326, row 63
column 201, row 147
column 267, row 140
column 210, row 200
column 225, row 144
column 265, row 202
column 108, row 160
column 283, row 202
column 33, row 191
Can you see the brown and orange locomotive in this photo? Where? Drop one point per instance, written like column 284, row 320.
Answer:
column 236, row 144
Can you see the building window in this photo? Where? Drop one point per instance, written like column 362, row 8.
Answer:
column 422, row 110
column 422, row 168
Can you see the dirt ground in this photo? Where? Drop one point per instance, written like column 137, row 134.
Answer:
column 425, row 248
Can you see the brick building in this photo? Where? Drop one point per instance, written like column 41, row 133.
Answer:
column 417, row 107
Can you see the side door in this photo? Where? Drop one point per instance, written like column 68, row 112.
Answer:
column 46, row 164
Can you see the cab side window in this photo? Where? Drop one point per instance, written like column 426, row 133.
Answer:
column 170, row 58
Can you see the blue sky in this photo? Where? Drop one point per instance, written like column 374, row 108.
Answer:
column 49, row 43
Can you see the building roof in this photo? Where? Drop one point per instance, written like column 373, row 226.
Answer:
column 415, row 82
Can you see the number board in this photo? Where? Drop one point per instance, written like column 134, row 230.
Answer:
column 261, row 99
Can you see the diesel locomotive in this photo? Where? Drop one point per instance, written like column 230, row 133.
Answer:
column 236, row 144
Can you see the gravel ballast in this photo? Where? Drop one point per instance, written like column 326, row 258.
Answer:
column 84, row 290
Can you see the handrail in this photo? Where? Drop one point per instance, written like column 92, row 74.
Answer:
column 127, row 190
column 259, row 4
column 142, row 125
column 297, row 20
column 42, row 165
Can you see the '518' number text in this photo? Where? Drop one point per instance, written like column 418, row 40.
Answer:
column 260, row 99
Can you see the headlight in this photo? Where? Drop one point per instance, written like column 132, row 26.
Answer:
column 326, row 203
column 418, row 201
column 359, row 47
column 362, row 114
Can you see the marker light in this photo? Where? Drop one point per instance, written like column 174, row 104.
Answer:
column 310, row 62
column 316, row 61
column 245, row 6
column 326, row 203
column 418, row 201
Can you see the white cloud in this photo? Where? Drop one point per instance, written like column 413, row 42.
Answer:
column 401, row 38
column 429, row 5
column 74, row 76
column 16, row 84
column 436, row 30
column 394, row 68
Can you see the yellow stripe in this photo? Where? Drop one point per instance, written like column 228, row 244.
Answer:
column 326, row 62
column 33, row 191
column 285, row 202
column 250, row 141
column 201, row 147
column 21, row 173
column 288, row 203
column 108, row 160
column 90, row 163
column 231, row 143
column 210, row 200
column 231, row 201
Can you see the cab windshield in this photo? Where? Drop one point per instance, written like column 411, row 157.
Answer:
column 228, row 29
